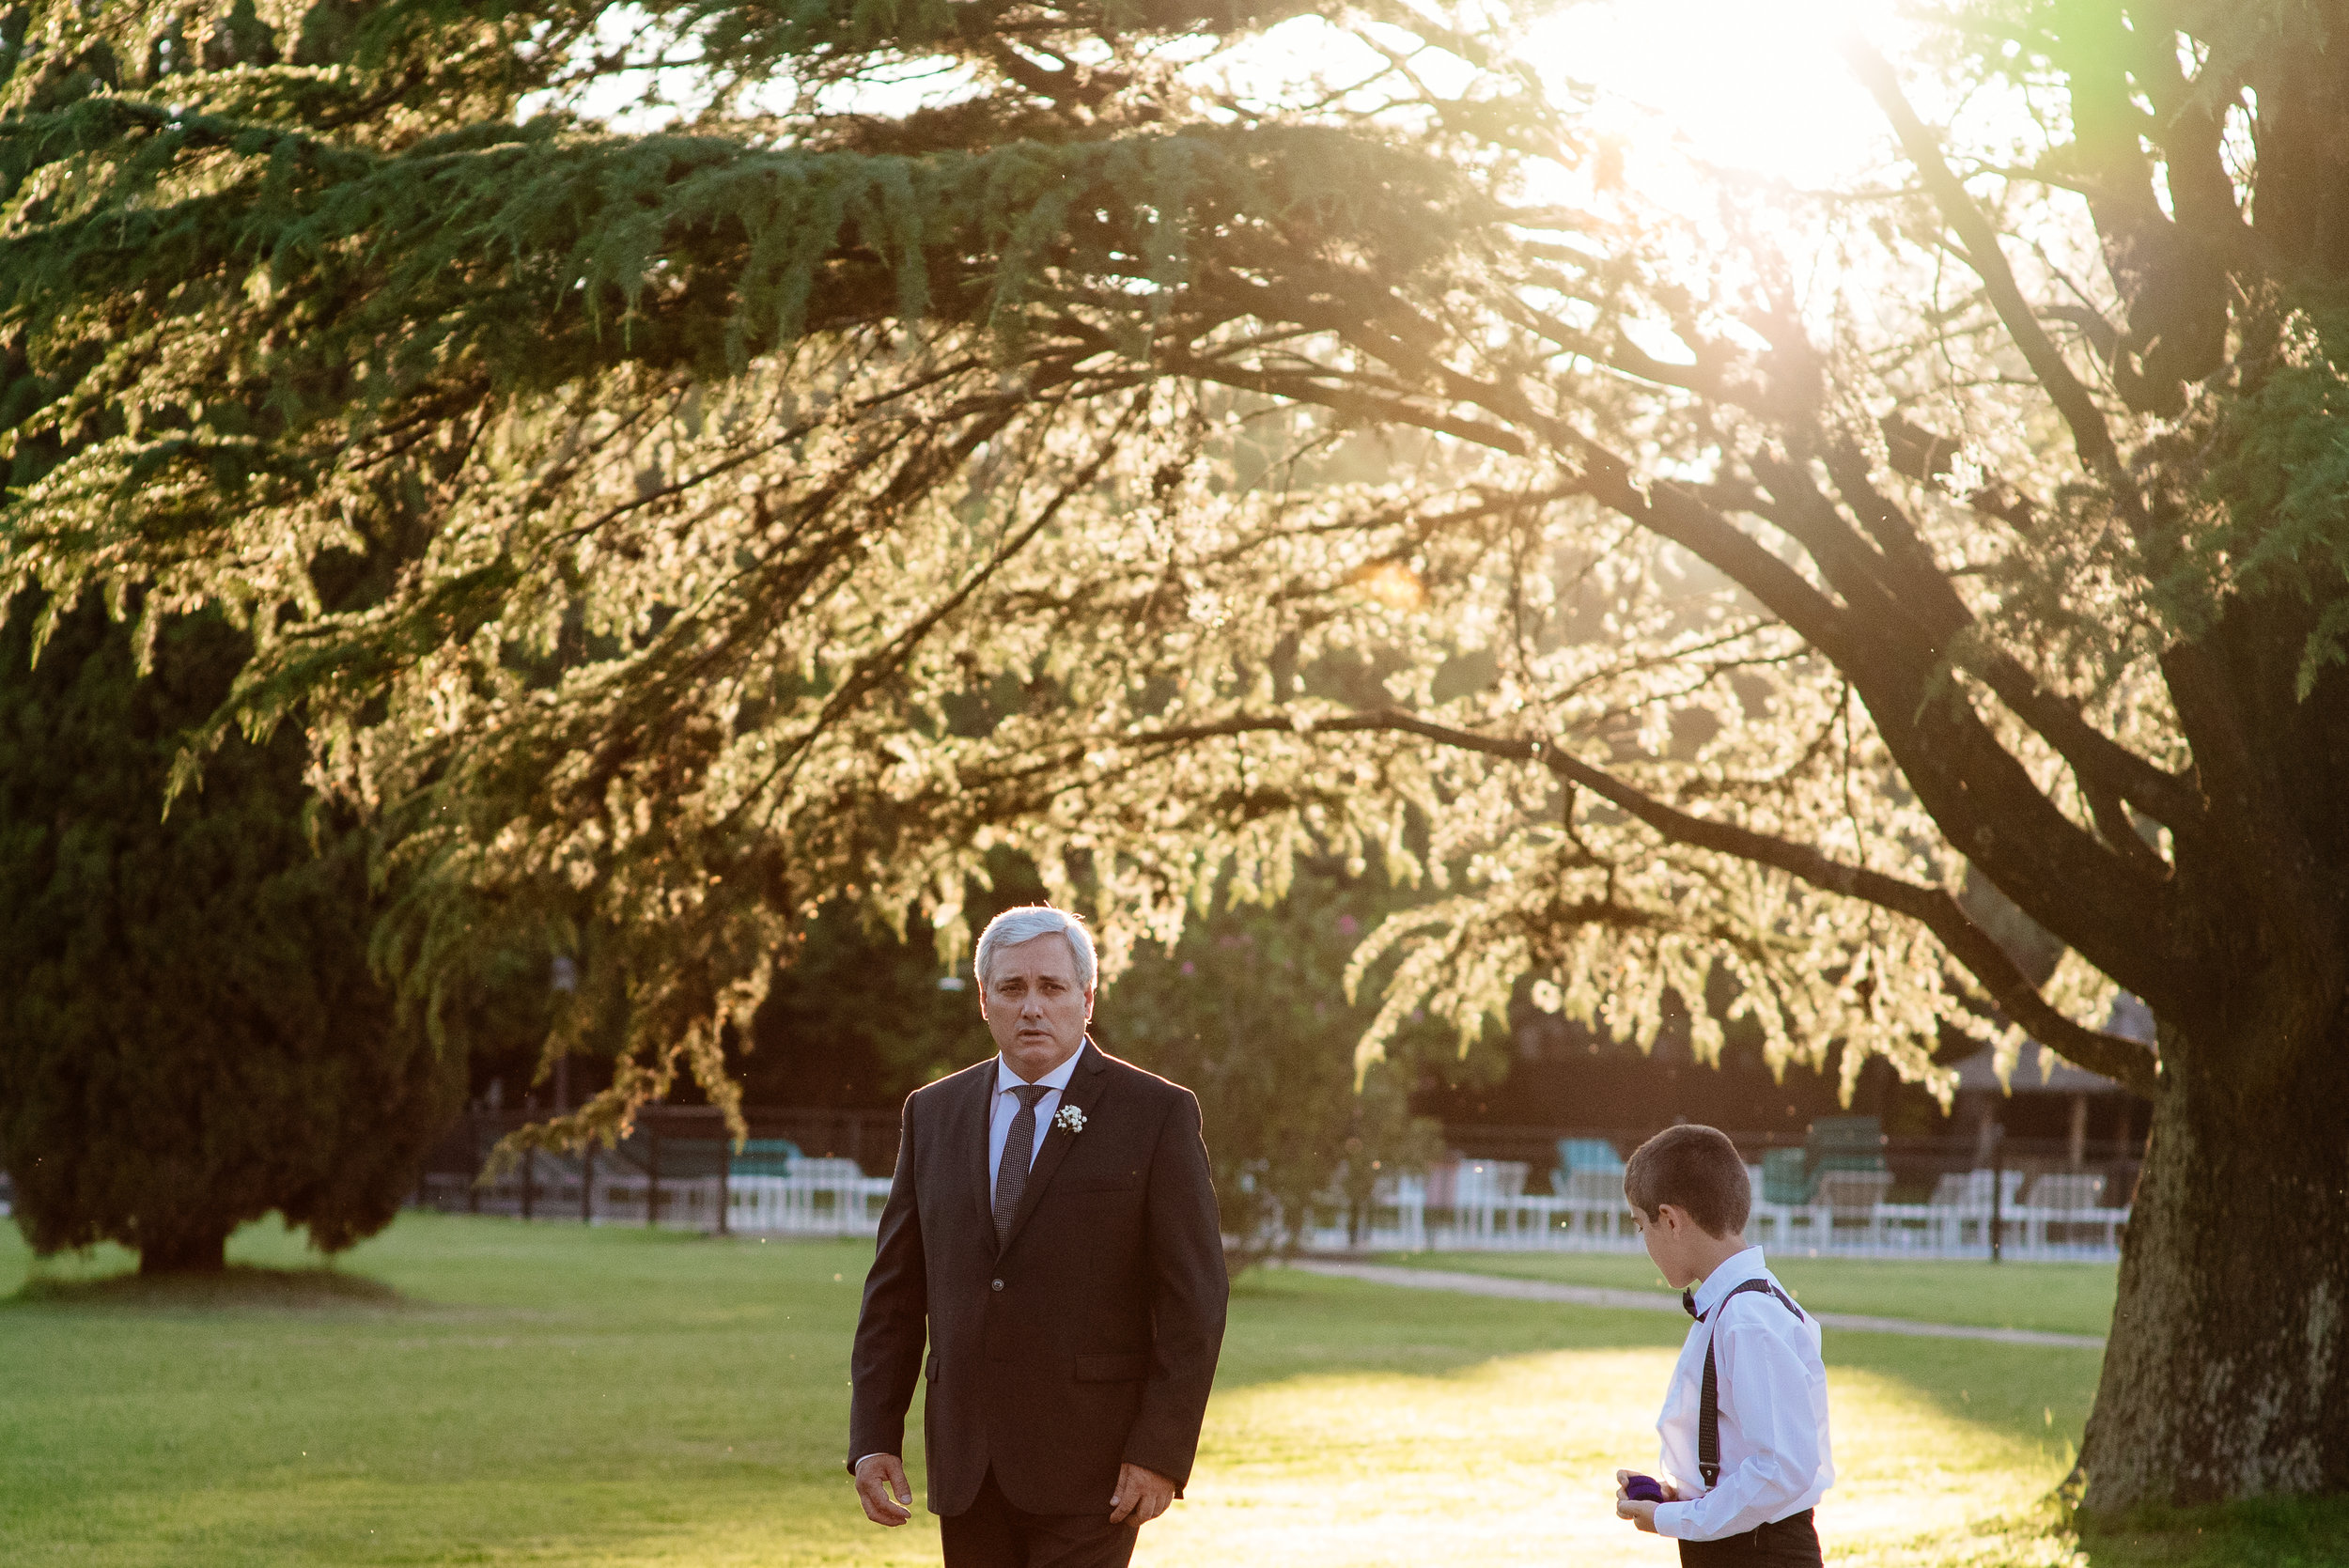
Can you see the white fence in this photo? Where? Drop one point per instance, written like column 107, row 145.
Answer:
column 806, row 1205
column 829, row 1197
column 1401, row 1220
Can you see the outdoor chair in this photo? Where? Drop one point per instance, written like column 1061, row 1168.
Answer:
column 1853, row 1193
column 1489, row 1181
column 2066, row 1191
column 766, row 1157
column 1593, row 1186
column 1785, row 1176
column 1970, row 1189
column 1443, row 1181
column 1845, row 1143
column 826, row 1170
column 1589, row 1154
column 1588, row 1169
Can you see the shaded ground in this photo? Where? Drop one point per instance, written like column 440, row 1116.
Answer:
column 552, row 1395
column 240, row 1287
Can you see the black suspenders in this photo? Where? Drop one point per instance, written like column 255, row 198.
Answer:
column 1708, row 1396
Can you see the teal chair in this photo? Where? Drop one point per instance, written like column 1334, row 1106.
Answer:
column 1845, row 1143
column 1588, row 1153
column 1785, row 1176
column 765, row 1156
column 1587, row 1168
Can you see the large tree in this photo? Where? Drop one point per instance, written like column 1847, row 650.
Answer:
column 189, row 1037
column 1061, row 423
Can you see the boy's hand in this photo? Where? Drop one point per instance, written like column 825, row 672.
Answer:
column 1641, row 1513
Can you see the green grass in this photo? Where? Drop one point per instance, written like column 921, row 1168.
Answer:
column 2056, row 1298
column 480, row 1391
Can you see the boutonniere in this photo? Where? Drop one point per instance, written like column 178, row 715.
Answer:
column 1069, row 1119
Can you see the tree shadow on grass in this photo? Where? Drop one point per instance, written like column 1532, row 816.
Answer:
column 2273, row 1532
column 240, row 1287
column 2270, row 1532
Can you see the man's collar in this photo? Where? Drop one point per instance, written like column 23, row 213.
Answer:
column 1732, row 1271
column 1006, row 1081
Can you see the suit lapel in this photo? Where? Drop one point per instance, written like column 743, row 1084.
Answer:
column 976, row 1118
column 1084, row 1090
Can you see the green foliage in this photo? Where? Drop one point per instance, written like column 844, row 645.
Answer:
column 189, row 1037
column 857, row 1017
column 1249, row 1012
column 2280, row 477
column 1138, row 377
column 304, row 286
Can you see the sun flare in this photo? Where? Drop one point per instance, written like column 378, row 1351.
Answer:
column 1757, row 85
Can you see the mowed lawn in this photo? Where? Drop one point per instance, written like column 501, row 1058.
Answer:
column 549, row 1395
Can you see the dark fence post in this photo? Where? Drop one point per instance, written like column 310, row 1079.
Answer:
column 1998, row 1195
column 652, row 1175
column 587, row 1183
column 472, row 1185
column 725, row 1176
column 530, row 1171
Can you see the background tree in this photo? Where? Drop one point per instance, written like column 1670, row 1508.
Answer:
column 1247, row 1011
column 1768, row 607
column 190, row 1037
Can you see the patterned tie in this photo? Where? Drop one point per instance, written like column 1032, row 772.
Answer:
column 1011, row 1177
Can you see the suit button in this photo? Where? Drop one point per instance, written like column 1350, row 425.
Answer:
column 998, row 1284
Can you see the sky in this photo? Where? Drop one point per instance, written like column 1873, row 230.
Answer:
column 1748, row 85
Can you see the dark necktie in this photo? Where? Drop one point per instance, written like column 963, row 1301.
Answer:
column 1011, row 1176
column 1688, row 1302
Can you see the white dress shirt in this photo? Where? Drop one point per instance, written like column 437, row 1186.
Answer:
column 1008, row 1107
column 1771, row 1387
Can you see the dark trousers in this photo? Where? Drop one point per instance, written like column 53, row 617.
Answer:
column 1789, row 1542
column 991, row 1533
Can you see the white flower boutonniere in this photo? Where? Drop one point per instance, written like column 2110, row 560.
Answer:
column 1069, row 1119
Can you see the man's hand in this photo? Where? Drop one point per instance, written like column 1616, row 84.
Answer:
column 1142, row 1494
column 881, row 1486
column 1639, row 1514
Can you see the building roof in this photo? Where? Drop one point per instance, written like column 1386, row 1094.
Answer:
column 2037, row 1071
column 2040, row 1071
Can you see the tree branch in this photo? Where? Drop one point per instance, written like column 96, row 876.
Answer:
column 2126, row 1060
column 2159, row 794
column 2091, row 438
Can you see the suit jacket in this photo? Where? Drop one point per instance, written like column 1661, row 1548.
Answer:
column 1089, row 1339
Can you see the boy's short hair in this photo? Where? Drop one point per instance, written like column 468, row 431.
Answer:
column 1696, row 1167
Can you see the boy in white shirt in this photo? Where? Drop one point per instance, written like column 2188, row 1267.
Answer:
column 1745, row 1420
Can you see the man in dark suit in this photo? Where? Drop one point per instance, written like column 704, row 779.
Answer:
column 1052, row 1234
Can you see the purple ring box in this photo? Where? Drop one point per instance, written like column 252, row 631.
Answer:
column 1644, row 1489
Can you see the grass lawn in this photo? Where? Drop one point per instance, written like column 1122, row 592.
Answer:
column 2056, row 1297
column 548, row 1394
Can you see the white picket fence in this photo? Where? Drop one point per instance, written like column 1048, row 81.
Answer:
column 835, row 1205
column 1400, row 1219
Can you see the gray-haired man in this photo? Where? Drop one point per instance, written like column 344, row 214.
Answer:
column 1052, row 1234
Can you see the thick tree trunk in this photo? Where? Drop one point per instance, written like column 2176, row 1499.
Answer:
column 207, row 1253
column 2227, row 1375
